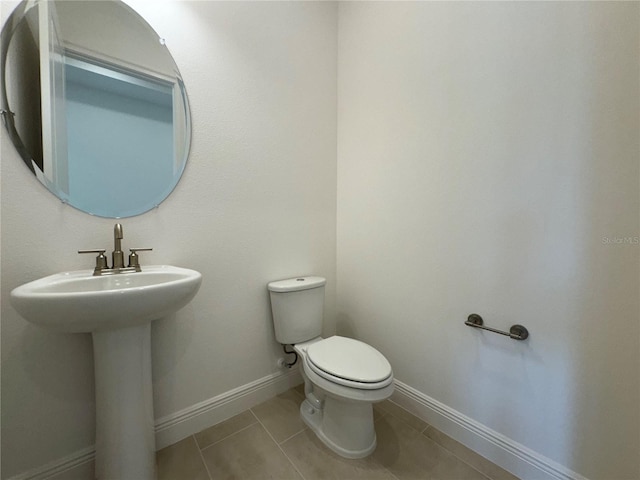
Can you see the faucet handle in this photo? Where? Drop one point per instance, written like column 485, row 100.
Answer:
column 101, row 260
column 134, row 258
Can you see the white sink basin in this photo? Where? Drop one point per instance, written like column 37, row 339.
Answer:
column 79, row 302
column 117, row 310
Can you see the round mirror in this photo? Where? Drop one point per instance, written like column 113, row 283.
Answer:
column 94, row 104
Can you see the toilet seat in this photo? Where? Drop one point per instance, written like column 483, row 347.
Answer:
column 349, row 362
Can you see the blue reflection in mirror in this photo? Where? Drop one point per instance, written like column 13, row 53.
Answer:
column 119, row 137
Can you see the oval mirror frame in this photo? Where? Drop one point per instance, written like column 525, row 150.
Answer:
column 118, row 134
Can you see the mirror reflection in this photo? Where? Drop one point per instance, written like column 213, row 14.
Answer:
column 94, row 104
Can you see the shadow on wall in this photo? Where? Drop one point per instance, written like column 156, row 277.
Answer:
column 345, row 327
column 605, row 325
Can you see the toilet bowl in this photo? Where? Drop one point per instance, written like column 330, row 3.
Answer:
column 343, row 377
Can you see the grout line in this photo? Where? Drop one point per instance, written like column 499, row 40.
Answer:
column 456, row 456
column 382, row 415
column 254, row 415
column 423, row 432
column 390, row 473
column 407, row 423
column 230, row 435
column 196, row 440
column 283, row 452
column 294, row 435
column 206, row 468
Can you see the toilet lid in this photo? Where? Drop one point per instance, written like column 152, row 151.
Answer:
column 349, row 359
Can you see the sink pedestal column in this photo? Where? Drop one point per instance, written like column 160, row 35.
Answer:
column 125, row 437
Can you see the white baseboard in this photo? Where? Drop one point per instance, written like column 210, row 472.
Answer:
column 179, row 425
column 63, row 465
column 503, row 451
column 173, row 428
column 508, row 454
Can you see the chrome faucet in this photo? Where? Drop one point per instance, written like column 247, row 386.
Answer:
column 117, row 256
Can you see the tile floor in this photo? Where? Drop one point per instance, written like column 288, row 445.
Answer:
column 270, row 441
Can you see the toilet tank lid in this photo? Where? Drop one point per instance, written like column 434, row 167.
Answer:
column 295, row 284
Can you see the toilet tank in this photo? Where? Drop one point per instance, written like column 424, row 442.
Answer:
column 297, row 306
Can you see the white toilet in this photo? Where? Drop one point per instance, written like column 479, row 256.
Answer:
column 342, row 377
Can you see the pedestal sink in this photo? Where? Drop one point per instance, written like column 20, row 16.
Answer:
column 117, row 310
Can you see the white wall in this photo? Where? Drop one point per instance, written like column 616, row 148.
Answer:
column 484, row 152
column 257, row 202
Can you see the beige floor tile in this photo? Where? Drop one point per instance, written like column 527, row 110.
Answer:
column 181, row 461
column 452, row 468
column 247, row 455
column 477, row 461
column 241, row 448
column 299, row 389
column 315, row 461
column 222, row 430
column 382, row 405
column 404, row 415
column 378, row 412
column 410, row 455
column 281, row 415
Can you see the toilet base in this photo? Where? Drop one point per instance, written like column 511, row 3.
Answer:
column 344, row 427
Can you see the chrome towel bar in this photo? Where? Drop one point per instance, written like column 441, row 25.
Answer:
column 517, row 332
